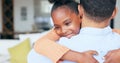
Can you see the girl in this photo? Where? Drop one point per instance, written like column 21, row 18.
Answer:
column 66, row 13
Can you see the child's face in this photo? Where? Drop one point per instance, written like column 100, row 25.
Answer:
column 66, row 22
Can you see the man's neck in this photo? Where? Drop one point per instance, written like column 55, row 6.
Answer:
column 91, row 23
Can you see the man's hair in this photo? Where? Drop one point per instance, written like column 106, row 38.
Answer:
column 71, row 4
column 98, row 10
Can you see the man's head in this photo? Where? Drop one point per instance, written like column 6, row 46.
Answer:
column 66, row 17
column 98, row 10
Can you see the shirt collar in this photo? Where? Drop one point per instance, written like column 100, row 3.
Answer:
column 95, row 31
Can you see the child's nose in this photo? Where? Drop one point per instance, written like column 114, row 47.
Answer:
column 64, row 31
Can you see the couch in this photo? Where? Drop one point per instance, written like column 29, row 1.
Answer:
column 10, row 47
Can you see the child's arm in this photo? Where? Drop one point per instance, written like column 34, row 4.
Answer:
column 47, row 46
column 80, row 57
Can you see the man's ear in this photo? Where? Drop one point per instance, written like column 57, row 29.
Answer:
column 80, row 9
column 114, row 13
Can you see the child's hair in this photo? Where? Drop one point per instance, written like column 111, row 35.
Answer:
column 71, row 4
column 98, row 10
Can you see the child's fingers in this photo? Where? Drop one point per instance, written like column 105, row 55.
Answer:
column 107, row 55
column 59, row 62
column 92, row 52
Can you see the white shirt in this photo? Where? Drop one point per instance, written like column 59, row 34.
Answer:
column 101, row 40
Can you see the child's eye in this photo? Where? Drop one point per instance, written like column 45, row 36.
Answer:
column 68, row 23
column 57, row 27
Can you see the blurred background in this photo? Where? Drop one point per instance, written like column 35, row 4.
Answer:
column 30, row 16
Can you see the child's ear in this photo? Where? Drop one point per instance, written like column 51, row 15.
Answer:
column 80, row 9
column 114, row 13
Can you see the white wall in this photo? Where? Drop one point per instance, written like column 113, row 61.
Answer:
column 42, row 8
column 117, row 19
column 20, row 25
column 0, row 15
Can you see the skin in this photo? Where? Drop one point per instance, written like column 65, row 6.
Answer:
column 113, row 56
column 116, row 30
column 67, row 24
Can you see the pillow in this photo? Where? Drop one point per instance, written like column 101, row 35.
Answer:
column 33, row 37
column 19, row 52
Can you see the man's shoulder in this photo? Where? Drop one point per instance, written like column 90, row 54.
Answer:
column 72, row 39
column 63, row 39
column 115, row 37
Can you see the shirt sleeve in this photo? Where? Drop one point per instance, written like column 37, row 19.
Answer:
column 49, row 48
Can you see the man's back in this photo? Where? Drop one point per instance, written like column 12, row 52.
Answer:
column 101, row 40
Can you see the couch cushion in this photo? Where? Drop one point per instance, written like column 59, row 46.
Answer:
column 19, row 52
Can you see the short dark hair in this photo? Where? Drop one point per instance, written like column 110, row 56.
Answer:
column 98, row 9
column 71, row 4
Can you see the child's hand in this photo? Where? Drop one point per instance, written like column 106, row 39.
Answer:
column 87, row 57
column 113, row 56
column 116, row 30
column 60, row 61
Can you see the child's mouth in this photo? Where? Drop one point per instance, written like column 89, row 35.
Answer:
column 69, row 36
